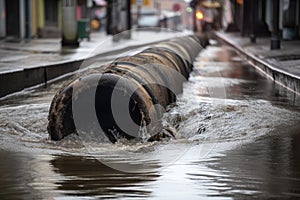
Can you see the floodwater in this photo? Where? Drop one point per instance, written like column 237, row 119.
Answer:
column 238, row 137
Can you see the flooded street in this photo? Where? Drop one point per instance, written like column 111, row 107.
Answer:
column 238, row 137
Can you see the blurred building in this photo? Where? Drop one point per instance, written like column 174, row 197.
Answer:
column 173, row 14
column 208, row 15
column 24, row 19
column 259, row 17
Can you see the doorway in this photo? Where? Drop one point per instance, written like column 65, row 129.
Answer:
column 12, row 8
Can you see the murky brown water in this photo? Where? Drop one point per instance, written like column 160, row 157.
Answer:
column 239, row 137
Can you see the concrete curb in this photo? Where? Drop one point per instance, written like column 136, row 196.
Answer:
column 18, row 80
column 283, row 78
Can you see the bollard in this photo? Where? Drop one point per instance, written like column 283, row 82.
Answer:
column 141, row 86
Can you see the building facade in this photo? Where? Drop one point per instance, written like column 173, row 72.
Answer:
column 257, row 17
column 24, row 19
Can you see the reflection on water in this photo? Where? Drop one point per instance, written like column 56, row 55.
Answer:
column 267, row 168
column 31, row 176
column 25, row 176
column 238, row 137
column 92, row 178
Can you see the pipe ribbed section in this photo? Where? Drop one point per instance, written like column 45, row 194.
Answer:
column 125, row 98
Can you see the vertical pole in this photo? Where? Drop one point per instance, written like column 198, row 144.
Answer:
column 27, row 19
column 40, row 15
column 114, row 18
column 2, row 19
column 235, row 15
column 118, row 22
column 195, row 29
column 139, row 7
column 69, row 24
column 128, row 15
column 22, row 19
column 244, row 19
column 128, row 21
column 275, row 41
column 108, row 17
column 59, row 14
column 254, row 21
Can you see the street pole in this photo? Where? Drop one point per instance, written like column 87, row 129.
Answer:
column 139, row 7
column 128, row 15
column 69, row 24
column 275, row 40
column 27, row 20
column 195, row 29
column 108, row 17
column 254, row 21
column 244, row 19
column 128, row 24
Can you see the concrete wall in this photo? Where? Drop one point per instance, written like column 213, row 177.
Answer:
column 11, row 82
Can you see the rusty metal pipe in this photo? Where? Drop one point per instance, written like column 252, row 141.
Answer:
column 150, row 81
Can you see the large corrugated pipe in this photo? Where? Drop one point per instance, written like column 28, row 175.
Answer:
column 125, row 98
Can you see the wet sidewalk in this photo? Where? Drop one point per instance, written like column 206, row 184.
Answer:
column 39, row 52
column 283, row 65
column 27, row 64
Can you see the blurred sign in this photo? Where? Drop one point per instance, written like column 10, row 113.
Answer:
column 140, row 2
column 146, row 2
column 189, row 9
column 100, row 2
column 239, row 2
column 176, row 7
column 209, row 4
